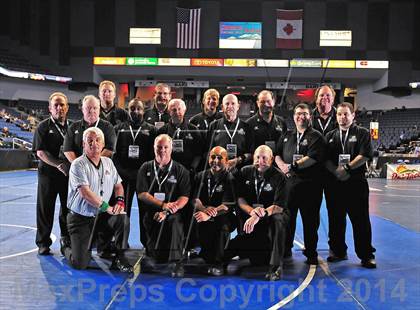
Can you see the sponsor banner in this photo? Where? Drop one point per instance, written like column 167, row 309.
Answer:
column 109, row 61
column 403, row 172
column 279, row 63
column 306, row 63
column 372, row 64
column 141, row 61
column 181, row 62
column 339, row 64
column 240, row 62
column 206, row 62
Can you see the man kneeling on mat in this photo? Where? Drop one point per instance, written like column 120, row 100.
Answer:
column 92, row 180
column 164, row 188
column 262, row 210
column 214, row 189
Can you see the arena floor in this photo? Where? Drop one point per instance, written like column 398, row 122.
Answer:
column 29, row 281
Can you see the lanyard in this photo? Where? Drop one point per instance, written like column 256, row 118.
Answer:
column 62, row 133
column 160, row 116
column 258, row 190
column 298, row 138
column 209, row 190
column 207, row 124
column 176, row 133
column 132, row 133
column 234, row 132
column 157, row 176
column 326, row 125
column 343, row 143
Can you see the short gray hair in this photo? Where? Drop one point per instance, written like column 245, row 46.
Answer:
column 97, row 131
column 162, row 137
column 90, row 97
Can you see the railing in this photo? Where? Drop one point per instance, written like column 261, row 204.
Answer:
column 19, row 144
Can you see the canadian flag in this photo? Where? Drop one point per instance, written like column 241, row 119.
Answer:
column 289, row 29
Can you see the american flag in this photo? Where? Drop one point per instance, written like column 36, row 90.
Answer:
column 188, row 26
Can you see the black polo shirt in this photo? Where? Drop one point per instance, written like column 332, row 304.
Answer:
column 49, row 137
column 192, row 141
column 243, row 138
column 214, row 191
column 324, row 126
column 203, row 121
column 73, row 142
column 264, row 131
column 357, row 143
column 142, row 135
column 175, row 180
column 311, row 144
column 270, row 188
column 152, row 116
column 115, row 115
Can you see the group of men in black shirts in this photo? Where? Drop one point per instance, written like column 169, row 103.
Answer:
column 217, row 173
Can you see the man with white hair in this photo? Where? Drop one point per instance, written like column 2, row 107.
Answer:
column 164, row 188
column 264, row 217
column 93, row 180
column 187, row 143
column 73, row 140
column 231, row 133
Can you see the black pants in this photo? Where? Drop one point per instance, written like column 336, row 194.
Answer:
column 214, row 236
column 304, row 196
column 350, row 197
column 48, row 189
column 130, row 192
column 171, row 241
column 266, row 244
column 80, row 227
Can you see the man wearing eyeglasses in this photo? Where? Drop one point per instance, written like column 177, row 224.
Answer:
column 300, row 155
column 214, row 197
column 158, row 115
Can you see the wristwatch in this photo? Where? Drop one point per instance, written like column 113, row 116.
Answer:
column 346, row 167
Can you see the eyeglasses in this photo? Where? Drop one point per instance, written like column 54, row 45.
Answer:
column 219, row 157
column 302, row 114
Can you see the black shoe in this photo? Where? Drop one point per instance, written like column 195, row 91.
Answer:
column 312, row 261
column 64, row 243
column 274, row 273
column 119, row 264
column 106, row 254
column 369, row 263
column 44, row 250
column 332, row 258
column 216, row 270
column 178, row 270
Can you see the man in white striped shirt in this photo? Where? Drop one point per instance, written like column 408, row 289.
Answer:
column 93, row 178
